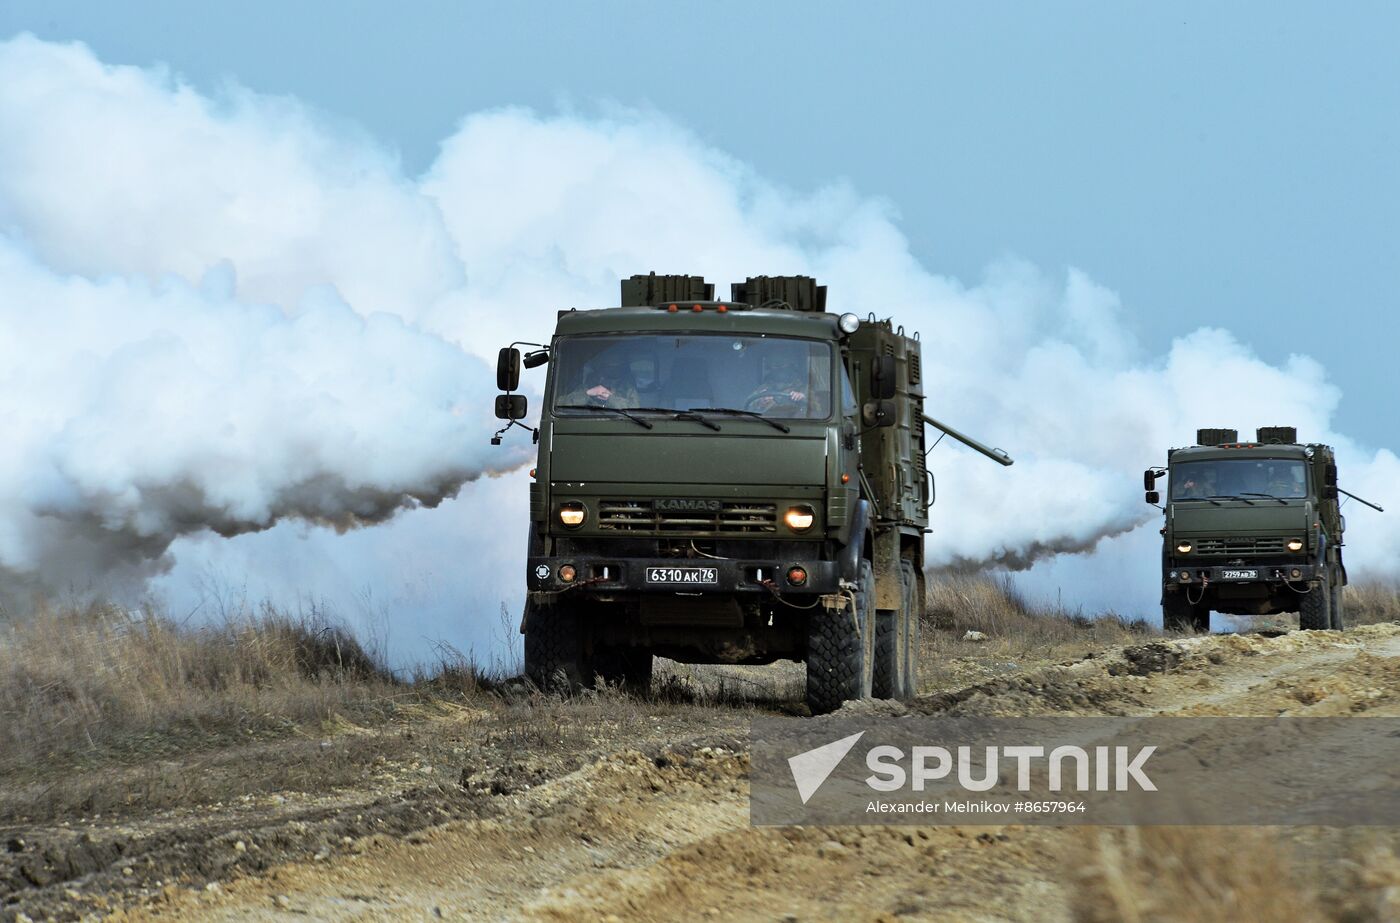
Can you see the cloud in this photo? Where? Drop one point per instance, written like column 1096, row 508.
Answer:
column 139, row 412
column 233, row 314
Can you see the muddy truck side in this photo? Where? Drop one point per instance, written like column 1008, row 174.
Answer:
column 1251, row 528
column 736, row 481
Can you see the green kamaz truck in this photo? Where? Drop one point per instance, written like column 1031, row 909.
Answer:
column 735, row 482
column 1252, row 528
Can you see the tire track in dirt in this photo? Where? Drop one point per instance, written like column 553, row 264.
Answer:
column 666, row 836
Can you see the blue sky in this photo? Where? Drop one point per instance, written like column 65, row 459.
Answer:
column 1225, row 165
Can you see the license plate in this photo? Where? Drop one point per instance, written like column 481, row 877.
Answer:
column 1239, row 575
column 690, row 576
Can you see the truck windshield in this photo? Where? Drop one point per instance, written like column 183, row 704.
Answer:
column 1284, row 478
column 776, row 377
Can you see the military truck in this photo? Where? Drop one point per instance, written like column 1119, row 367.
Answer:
column 735, row 482
column 1252, row 528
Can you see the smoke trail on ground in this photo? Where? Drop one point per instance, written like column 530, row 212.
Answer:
column 137, row 413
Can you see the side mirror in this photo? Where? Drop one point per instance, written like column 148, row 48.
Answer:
column 536, row 359
column 1329, row 476
column 1149, row 479
column 879, row 413
column 510, row 406
column 1153, row 497
column 882, row 378
column 507, row 371
column 1329, row 491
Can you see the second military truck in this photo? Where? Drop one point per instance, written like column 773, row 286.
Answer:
column 1252, row 528
column 736, row 481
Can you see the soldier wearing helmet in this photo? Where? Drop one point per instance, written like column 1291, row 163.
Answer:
column 783, row 391
column 606, row 382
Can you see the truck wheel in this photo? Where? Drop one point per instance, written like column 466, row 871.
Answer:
column 1315, row 608
column 887, row 677
column 887, row 674
column 913, row 612
column 1338, row 623
column 554, row 657
column 896, row 674
column 840, row 650
column 629, row 667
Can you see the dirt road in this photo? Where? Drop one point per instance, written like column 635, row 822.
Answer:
column 659, row 830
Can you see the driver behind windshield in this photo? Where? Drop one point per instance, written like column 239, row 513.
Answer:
column 1197, row 485
column 1286, row 481
column 782, row 391
column 606, row 382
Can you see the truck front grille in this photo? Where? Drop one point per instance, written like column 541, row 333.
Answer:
column 1239, row 546
column 732, row 518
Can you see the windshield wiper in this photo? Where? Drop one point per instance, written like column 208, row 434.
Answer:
column 692, row 415
column 734, row 411
column 635, row 419
column 1232, row 497
column 1270, row 496
column 681, row 415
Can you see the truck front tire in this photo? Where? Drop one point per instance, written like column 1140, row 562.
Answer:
column 1338, row 622
column 554, row 650
column 1315, row 608
column 841, row 648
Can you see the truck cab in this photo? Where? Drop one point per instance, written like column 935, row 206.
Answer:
column 717, row 481
column 1251, row 528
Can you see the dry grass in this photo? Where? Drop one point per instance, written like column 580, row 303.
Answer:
column 95, row 683
column 1371, row 601
column 993, row 606
column 1014, row 633
column 105, row 711
column 1187, row 874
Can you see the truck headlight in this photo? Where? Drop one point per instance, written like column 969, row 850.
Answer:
column 848, row 323
column 1295, row 544
column 571, row 514
column 1183, row 547
column 799, row 518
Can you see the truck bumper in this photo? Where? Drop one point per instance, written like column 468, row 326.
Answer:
column 1241, row 573
column 600, row 574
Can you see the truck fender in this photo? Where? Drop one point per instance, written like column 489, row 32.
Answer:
column 852, row 553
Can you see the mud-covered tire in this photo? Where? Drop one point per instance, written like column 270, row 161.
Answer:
column 896, row 664
column 628, row 667
column 914, row 610
column 1179, row 614
column 554, row 649
column 888, row 674
column 1338, row 606
column 1315, row 607
column 840, row 650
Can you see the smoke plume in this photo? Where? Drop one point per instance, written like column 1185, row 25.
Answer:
column 230, row 316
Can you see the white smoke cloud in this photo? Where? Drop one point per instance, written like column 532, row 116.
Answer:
column 139, row 412
column 325, row 343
